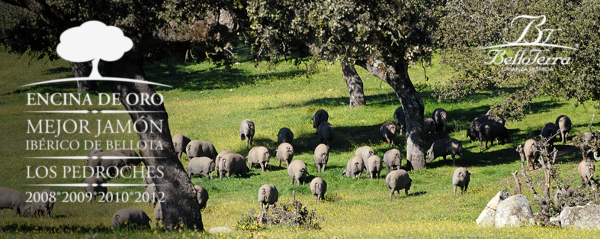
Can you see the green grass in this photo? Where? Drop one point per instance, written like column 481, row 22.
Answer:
column 209, row 104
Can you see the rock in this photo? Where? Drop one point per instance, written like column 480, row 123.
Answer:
column 514, row 211
column 215, row 230
column 582, row 217
column 487, row 216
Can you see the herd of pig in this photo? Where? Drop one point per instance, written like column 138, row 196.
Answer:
column 204, row 160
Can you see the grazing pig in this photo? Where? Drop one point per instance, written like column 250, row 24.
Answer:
column 564, row 126
column 364, row 152
column 131, row 157
column 461, row 179
column 258, row 155
column 13, row 199
column 285, row 152
column 326, row 132
column 397, row 180
column 473, row 130
column 131, row 217
column 105, row 163
column 440, row 117
column 153, row 196
column 44, row 205
column 489, row 131
column 297, row 171
column 200, row 148
column 180, row 143
column 388, row 132
column 531, row 153
column 285, row 135
column 97, row 190
column 147, row 180
column 247, row 131
column 587, row 138
column 267, row 195
column 400, row 119
column 374, row 166
column 220, row 156
column 321, row 157
column 318, row 187
column 158, row 215
column 428, row 126
column 392, row 159
column 320, row 117
column 94, row 150
column 586, row 171
column 201, row 166
column 202, row 195
column 549, row 130
column 565, row 193
column 444, row 147
column 355, row 167
column 233, row 163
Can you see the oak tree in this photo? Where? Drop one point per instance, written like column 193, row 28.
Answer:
column 157, row 28
column 381, row 36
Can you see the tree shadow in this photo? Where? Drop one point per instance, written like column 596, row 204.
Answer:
column 14, row 228
column 250, row 174
column 503, row 156
column 45, row 88
column 275, row 165
column 235, row 175
column 57, row 70
column 378, row 99
column 309, row 179
column 460, row 119
column 263, row 141
column 568, row 153
column 179, row 75
column 345, row 137
column 330, row 168
column 420, row 193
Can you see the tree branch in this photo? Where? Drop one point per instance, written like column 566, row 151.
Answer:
column 592, row 122
column 50, row 15
column 517, row 182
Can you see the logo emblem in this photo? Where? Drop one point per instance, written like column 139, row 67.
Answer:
column 532, row 53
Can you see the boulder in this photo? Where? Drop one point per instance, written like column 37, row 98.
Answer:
column 487, row 216
column 215, row 230
column 582, row 217
column 515, row 211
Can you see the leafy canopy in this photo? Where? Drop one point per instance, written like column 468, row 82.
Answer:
column 339, row 29
column 469, row 25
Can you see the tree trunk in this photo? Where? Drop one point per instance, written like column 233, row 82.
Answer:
column 397, row 77
column 83, row 69
column 180, row 204
column 355, row 85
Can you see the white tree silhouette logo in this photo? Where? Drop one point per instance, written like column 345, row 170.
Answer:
column 92, row 41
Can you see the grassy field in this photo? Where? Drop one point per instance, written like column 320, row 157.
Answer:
column 209, row 103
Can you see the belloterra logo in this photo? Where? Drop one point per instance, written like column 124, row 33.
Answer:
column 529, row 55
